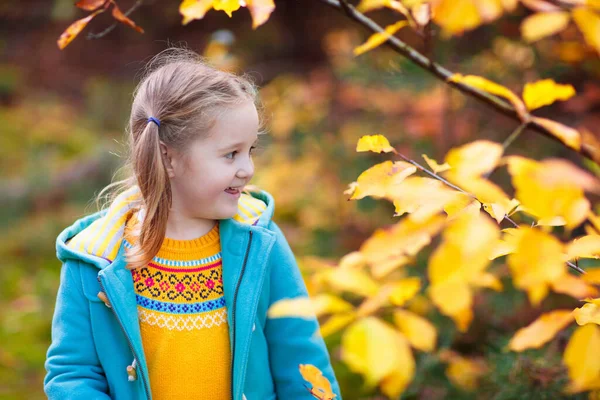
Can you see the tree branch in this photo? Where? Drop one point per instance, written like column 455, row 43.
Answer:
column 444, row 74
column 105, row 32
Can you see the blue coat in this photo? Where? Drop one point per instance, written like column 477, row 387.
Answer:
column 95, row 327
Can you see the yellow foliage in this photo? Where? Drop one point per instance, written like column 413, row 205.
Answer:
column 321, row 387
column 377, row 351
column 552, row 188
column 379, row 38
column 435, row 167
column 581, row 359
column 475, row 158
column 307, row 307
column 420, row 333
column 380, row 179
column 540, row 331
column 540, row 25
column 588, row 313
column 589, row 24
column 545, row 92
column 375, row 143
column 463, row 372
column 537, row 262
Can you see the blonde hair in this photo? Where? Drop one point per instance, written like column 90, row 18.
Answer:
column 186, row 94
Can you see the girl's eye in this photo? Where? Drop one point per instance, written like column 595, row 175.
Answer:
column 232, row 154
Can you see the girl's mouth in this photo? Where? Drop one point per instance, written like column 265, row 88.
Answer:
column 232, row 191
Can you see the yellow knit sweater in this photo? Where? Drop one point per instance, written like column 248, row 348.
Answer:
column 183, row 319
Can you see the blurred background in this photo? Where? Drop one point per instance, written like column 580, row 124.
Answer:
column 63, row 114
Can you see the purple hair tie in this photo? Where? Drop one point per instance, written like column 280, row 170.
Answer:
column 155, row 120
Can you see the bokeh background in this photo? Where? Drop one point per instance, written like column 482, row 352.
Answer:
column 63, row 114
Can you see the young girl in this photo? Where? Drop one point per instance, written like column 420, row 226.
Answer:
column 164, row 294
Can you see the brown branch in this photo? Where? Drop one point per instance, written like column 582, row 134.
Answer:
column 444, row 74
column 105, row 32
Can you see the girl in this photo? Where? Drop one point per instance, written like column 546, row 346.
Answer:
column 164, row 294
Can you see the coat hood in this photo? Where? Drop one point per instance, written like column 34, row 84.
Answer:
column 97, row 238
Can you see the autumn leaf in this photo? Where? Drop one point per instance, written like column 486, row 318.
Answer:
column 194, row 9
column 588, row 313
column 463, row 372
column 435, row 167
column 74, row 29
column 545, row 92
column 321, row 387
column 406, row 238
column 90, row 5
column 379, row 38
column 581, row 359
column 574, row 286
column 260, row 10
column 588, row 23
column 540, row 331
column 552, row 188
column 455, row 16
column 404, row 290
column 336, row 322
column 537, row 262
column 475, row 158
column 377, row 351
column 584, row 247
column 308, row 307
column 420, row 333
column 374, row 143
column 493, row 88
column 569, row 136
column 119, row 16
column 351, row 280
column 378, row 180
column 543, row 24
column 458, row 263
column 228, row 6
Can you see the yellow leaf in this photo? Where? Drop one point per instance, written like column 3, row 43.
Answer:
column 475, row 158
column 404, row 290
column 420, row 333
column 552, row 188
column 574, row 286
column 455, row 16
column 351, row 280
column 378, row 180
column 385, row 267
column 435, row 167
column 376, row 350
column 581, row 359
column 495, row 210
column 421, row 197
column 493, row 88
column 379, row 38
column 588, row 313
column 540, row 331
column 487, row 280
column 569, row 136
column 537, row 262
column 194, row 9
column 465, row 373
column 260, row 10
column 353, row 260
column 589, row 25
column 454, row 300
column 335, row 323
column 489, row 10
column 406, row 238
column 229, row 6
column 321, row 387
column 74, row 29
column 540, row 25
column 308, row 307
column 502, row 248
column 459, row 204
column 584, row 247
column 592, row 275
column 545, row 92
column 374, row 143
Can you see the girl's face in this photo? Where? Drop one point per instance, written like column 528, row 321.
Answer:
column 213, row 164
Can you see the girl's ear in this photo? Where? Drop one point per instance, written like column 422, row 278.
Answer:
column 167, row 157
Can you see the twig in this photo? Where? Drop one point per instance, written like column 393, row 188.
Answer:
column 513, row 136
column 93, row 35
column 444, row 74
